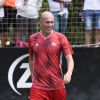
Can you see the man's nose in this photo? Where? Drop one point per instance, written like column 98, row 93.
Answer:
column 50, row 24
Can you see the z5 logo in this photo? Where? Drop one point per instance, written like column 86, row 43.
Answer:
column 22, row 82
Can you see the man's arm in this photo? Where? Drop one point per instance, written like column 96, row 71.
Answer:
column 31, row 65
column 70, row 67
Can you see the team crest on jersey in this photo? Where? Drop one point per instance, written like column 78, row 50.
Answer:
column 54, row 44
column 36, row 44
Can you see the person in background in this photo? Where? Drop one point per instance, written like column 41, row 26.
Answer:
column 62, row 6
column 45, row 49
column 1, row 9
column 1, row 16
column 8, row 20
column 60, row 22
column 27, row 14
column 91, row 14
column 61, row 9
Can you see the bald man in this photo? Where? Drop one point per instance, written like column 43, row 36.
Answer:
column 45, row 48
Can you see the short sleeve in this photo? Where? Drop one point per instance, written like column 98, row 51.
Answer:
column 66, row 46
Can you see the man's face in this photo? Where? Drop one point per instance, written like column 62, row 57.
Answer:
column 47, row 25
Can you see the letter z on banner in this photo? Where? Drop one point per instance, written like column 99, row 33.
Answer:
column 22, row 81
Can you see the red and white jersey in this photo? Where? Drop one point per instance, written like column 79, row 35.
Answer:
column 46, row 54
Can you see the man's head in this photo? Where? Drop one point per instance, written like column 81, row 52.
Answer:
column 47, row 22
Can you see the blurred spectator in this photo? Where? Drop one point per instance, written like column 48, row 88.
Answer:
column 27, row 14
column 8, row 20
column 91, row 14
column 1, row 16
column 1, row 9
column 62, row 7
column 60, row 22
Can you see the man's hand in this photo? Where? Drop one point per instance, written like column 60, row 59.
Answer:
column 67, row 78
